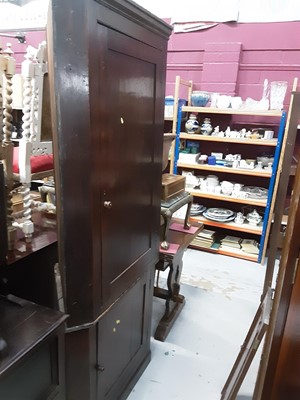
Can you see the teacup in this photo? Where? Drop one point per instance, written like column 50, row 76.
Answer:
column 268, row 135
column 227, row 188
column 190, row 180
column 236, row 102
column 223, row 101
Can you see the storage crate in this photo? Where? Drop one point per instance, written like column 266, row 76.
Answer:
column 172, row 185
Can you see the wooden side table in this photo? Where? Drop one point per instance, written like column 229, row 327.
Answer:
column 172, row 259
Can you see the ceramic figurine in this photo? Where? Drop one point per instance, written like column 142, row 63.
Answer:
column 227, row 132
column 216, row 131
column 243, row 132
column 239, row 219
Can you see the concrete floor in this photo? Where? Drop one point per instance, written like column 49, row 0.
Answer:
column 222, row 295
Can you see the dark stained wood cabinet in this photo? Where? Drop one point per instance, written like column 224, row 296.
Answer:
column 105, row 360
column 120, row 353
column 107, row 67
column 286, row 380
column 32, row 366
column 282, row 378
column 107, row 64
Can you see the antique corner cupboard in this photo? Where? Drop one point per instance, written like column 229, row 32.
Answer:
column 107, row 62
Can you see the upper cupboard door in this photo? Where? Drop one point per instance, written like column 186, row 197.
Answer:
column 107, row 69
column 127, row 114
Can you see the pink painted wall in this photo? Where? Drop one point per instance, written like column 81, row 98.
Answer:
column 229, row 58
column 267, row 50
column 33, row 38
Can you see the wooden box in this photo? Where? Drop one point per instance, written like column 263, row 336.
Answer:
column 172, row 185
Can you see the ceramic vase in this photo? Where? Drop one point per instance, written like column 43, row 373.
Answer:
column 192, row 125
column 206, row 127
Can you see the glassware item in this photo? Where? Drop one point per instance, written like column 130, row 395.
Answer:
column 206, row 127
column 192, row 125
column 277, row 94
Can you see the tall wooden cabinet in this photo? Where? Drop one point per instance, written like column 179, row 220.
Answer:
column 107, row 68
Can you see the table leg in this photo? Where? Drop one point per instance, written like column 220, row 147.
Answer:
column 174, row 302
column 167, row 215
column 187, row 215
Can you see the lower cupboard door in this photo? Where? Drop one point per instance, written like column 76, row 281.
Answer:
column 123, row 336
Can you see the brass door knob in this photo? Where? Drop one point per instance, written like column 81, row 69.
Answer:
column 107, row 204
column 99, row 368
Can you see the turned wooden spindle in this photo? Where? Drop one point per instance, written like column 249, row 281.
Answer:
column 25, row 143
column 2, row 68
column 7, row 144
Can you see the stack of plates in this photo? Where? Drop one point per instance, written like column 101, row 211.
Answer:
column 197, row 209
column 219, row 214
column 255, row 192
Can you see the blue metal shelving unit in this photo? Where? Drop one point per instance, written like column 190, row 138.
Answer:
column 272, row 183
column 280, row 137
column 177, row 140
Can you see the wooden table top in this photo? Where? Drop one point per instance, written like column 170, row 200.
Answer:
column 23, row 325
column 183, row 239
column 45, row 233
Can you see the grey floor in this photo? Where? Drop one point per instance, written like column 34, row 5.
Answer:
column 222, row 295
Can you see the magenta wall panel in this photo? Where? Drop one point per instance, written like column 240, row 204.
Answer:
column 236, row 58
column 228, row 58
column 221, row 63
column 33, row 38
column 223, row 46
column 221, row 57
column 220, row 72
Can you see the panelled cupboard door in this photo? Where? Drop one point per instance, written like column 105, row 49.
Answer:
column 127, row 150
column 107, row 64
column 123, row 340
